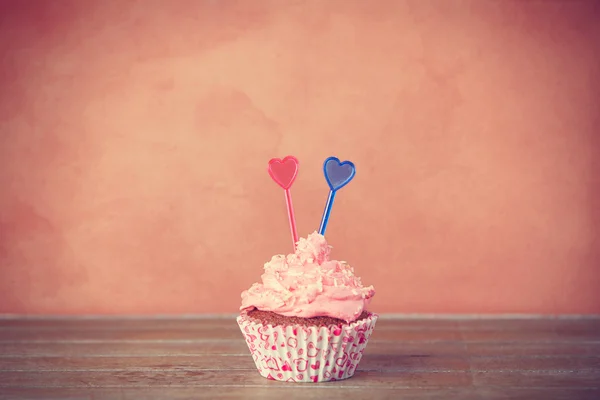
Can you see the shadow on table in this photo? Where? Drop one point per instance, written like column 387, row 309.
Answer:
column 413, row 362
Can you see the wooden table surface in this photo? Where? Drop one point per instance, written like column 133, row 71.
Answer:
column 190, row 358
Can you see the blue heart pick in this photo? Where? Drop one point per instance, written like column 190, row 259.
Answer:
column 338, row 174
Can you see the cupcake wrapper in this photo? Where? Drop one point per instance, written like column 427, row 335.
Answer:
column 307, row 354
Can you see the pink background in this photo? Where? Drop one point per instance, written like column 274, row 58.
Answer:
column 134, row 139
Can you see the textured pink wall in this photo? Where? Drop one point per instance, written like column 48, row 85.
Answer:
column 134, row 138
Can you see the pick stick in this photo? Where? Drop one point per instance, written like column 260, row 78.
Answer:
column 284, row 173
column 337, row 174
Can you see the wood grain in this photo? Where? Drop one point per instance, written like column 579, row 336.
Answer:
column 103, row 358
column 313, row 393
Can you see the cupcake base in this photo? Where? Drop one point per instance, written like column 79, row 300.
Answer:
column 296, row 353
column 271, row 318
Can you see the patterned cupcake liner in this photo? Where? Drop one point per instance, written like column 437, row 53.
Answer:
column 297, row 353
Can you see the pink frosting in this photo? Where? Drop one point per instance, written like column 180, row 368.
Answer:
column 307, row 284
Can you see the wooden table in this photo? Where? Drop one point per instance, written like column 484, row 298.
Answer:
column 191, row 358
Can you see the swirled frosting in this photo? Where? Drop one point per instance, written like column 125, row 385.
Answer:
column 308, row 284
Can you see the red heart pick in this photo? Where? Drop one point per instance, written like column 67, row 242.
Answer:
column 284, row 172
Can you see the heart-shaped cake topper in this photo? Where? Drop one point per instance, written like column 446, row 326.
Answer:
column 338, row 174
column 284, row 172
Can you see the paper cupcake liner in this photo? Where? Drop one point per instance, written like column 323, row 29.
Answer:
column 297, row 353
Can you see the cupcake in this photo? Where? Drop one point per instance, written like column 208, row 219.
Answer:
column 306, row 321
